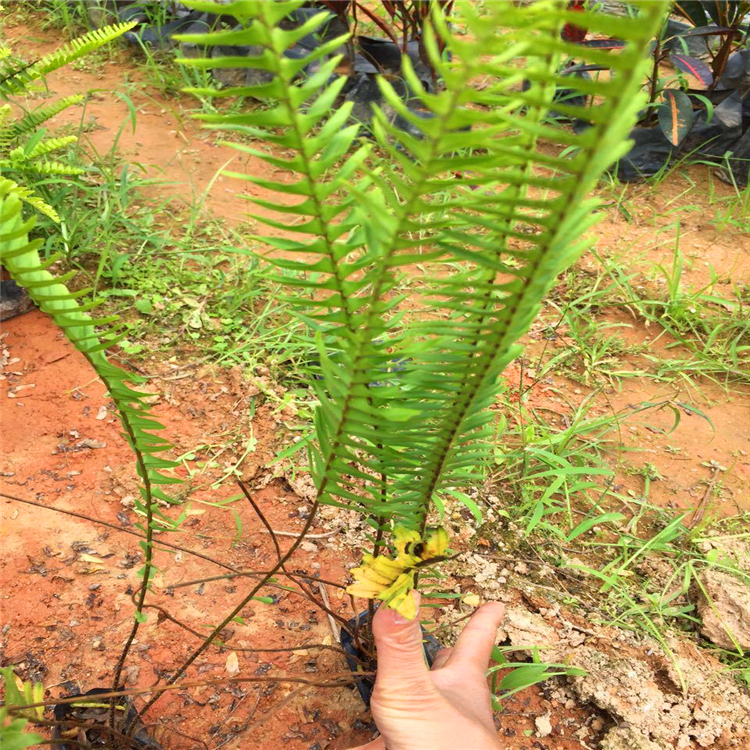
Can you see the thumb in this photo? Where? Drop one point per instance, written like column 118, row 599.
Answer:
column 399, row 644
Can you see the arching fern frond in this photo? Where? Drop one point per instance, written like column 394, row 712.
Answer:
column 32, row 120
column 523, row 211
column 92, row 337
column 15, row 79
column 29, row 165
column 46, row 146
column 33, row 200
column 23, row 149
column 22, row 143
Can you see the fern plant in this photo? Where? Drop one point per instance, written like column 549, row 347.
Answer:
column 24, row 151
column 24, row 145
column 404, row 418
column 490, row 202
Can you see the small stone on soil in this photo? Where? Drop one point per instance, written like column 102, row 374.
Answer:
column 543, row 725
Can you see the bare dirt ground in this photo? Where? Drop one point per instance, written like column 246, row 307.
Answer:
column 67, row 582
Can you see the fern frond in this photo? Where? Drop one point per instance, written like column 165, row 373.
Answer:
column 15, row 80
column 311, row 140
column 39, row 166
column 92, row 337
column 20, row 256
column 494, row 216
column 49, row 145
column 32, row 120
column 29, row 196
column 492, row 307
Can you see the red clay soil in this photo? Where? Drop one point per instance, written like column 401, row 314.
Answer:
column 67, row 582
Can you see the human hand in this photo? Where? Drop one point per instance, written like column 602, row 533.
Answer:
column 446, row 708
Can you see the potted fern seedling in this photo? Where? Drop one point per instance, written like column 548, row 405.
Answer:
column 484, row 205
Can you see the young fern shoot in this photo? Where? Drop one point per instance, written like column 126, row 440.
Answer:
column 478, row 192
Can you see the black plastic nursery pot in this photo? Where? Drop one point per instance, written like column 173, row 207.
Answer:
column 357, row 660
column 14, row 300
column 721, row 139
column 86, row 723
column 650, row 153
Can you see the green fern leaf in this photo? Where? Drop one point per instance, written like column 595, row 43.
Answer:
column 404, row 413
column 30, row 197
column 21, row 259
column 16, row 80
column 40, row 166
column 32, row 120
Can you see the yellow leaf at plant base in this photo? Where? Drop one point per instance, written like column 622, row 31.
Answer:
column 435, row 543
column 398, row 595
column 391, row 581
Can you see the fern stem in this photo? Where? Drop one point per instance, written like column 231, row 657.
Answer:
column 213, row 635
column 148, row 555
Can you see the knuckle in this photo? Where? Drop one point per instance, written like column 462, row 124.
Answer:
column 389, row 698
column 403, row 640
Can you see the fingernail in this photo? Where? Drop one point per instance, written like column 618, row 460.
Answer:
column 399, row 619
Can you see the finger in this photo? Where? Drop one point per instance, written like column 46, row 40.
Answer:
column 400, row 655
column 474, row 645
column 376, row 744
column 441, row 658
